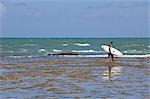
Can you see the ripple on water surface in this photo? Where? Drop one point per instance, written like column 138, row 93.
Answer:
column 58, row 78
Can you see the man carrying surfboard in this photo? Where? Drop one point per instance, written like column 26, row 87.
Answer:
column 110, row 51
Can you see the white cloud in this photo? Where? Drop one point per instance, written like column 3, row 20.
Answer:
column 2, row 8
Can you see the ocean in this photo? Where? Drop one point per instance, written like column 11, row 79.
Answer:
column 37, row 47
column 28, row 70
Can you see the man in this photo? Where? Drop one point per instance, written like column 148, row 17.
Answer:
column 110, row 51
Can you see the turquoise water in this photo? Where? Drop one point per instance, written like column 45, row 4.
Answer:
column 82, row 46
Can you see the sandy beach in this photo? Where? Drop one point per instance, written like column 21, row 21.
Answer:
column 74, row 78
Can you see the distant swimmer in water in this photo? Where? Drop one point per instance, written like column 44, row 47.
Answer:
column 110, row 51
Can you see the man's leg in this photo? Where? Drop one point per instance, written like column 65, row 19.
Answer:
column 112, row 56
column 109, row 55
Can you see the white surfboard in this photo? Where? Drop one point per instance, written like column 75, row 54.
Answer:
column 113, row 50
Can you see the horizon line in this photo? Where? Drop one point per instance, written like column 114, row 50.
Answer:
column 69, row 37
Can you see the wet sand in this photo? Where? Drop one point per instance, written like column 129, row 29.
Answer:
column 74, row 78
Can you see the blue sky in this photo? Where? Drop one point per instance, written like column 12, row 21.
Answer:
column 74, row 18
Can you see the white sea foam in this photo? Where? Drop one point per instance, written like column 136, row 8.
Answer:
column 133, row 45
column 135, row 51
column 64, row 44
column 136, row 45
column 148, row 55
column 23, row 50
column 29, row 45
column 42, row 50
column 132, row 56
column 85, row 55
column 81, row 44
column 84, row 51
column 29, row 56
column 56, row 50
column 87, row 51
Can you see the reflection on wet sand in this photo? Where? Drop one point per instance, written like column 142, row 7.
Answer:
column 76, row 78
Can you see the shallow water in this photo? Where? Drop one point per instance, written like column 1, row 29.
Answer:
column 74, row 78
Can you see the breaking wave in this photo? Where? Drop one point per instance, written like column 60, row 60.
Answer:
column 64, row 44
column 81, row 44
column 127, row 56
column 29, row 45
column 86, row 51
column 56, row 50
column 42, row 50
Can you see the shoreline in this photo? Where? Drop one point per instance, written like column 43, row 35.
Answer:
column 69, row 60
column 77, row 55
